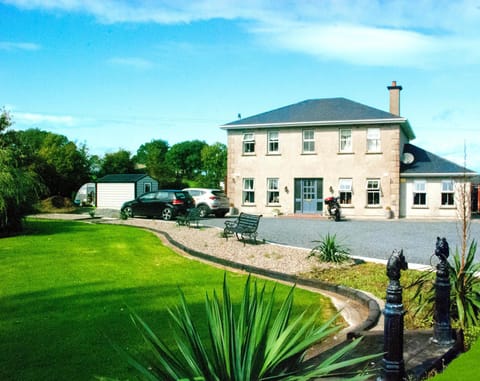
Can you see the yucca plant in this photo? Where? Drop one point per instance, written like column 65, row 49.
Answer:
column 465, row 288
column 330, row 250
column 464, row 295
column 247, row 342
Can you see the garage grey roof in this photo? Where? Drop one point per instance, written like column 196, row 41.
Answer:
column 122, row 178
column 319, row 112
column 424, row 163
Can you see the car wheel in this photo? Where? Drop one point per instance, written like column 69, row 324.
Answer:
column 203, row 211
column 128, row 211
column 167, row 214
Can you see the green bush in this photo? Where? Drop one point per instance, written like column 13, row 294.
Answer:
column 330, row 250
column 246, row 342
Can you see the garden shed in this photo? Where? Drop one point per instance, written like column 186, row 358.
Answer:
column 113, row 190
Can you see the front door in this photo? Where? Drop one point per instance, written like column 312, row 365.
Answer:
column 308, row 196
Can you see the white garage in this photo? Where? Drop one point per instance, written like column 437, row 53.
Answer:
column 113, row 190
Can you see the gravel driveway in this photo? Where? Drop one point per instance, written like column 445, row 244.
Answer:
column 373, row 239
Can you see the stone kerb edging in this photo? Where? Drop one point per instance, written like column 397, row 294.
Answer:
column 371, row 304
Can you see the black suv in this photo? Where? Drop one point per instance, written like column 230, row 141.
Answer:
column 164, row 203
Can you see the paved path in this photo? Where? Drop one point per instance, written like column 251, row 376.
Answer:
column 366, row 238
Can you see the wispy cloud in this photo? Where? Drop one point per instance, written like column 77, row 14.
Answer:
column 33, row 119
column 132, row 62
column 9, row 45
column 365, row 32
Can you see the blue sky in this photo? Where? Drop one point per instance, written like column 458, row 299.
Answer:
column 117, row 74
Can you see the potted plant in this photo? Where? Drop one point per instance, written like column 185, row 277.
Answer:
column 388, row 212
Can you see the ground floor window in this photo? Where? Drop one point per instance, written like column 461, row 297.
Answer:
column 273, row 193
column 420, row 193
column 448, row 198
column 248, row 191
column 373, row 192
column 345, row 191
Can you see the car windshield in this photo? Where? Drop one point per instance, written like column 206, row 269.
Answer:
column 219, row 194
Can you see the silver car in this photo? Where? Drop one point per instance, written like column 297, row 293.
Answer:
column 210, row 201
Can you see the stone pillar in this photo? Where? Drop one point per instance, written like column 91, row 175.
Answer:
column 393, row 366
column 442, row 331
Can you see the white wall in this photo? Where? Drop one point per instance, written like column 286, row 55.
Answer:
column 113, row 195
column 433, row 207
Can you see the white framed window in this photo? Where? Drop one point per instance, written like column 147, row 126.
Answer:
column 248, row 143
column 273, row 191
column 373, row 192
column 308, row 141
column 419, row 193
column 345, row 191
column 272, row 142
column 373, row 140
column 448, row 193
column 249, row 191
column 147, row 187
column 345, row 140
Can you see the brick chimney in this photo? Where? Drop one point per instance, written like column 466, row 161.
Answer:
column 394, row 98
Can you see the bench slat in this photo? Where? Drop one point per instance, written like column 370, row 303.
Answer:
column 245, row 225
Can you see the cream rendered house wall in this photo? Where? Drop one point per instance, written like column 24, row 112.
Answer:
column 433, row 207
column 326, row 163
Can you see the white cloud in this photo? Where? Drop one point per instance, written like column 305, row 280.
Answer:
column 132, row 62
column 37, row 118
column 381, row 33
column 8, row 45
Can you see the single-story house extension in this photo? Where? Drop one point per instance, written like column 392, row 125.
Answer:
column 290, row 159
column 113, row 190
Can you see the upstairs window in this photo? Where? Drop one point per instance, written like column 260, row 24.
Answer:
column 373, row 192
column 273, row 192
column 345, row 190
column 373, row 140
column 248, row 143
column 345, row 140
column 249, row 191
column 420, row 193
column 308, row 141
column 272, row 142
column 147, row 187
column 448, row 194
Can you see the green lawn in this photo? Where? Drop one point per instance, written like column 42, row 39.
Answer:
column 464, row 367
column 64, row 291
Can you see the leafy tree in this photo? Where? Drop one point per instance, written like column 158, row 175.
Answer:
column 153, row 156
column 66, row 167
column 186, row 158
column 61, row 165
column 214, row 165
column 117, row 162
column 19, row 186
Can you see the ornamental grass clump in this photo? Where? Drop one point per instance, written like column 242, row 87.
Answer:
column 250, row 341
column 330, row 250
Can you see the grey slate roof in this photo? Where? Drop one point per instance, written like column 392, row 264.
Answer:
column 122, row 178
column 429, row 164
column 321, row 112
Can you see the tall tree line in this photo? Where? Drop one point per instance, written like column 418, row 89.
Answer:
column 36, row 164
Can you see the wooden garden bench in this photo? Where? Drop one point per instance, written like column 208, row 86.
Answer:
column 245, row 226
column 192, row 216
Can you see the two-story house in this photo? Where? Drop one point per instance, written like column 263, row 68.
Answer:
column 289, row 159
